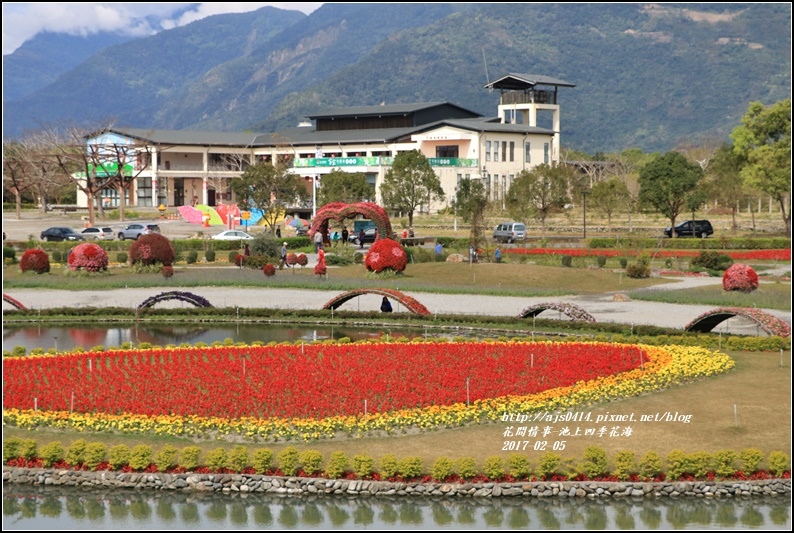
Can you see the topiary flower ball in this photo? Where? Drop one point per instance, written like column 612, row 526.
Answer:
column 35, row 260
column 740, row 278
column 386, row 254
column 88, row 256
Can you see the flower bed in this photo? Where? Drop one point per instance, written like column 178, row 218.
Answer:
column 757, row 255
column 316, row 391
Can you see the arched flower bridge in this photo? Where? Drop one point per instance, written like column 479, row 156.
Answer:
column 770, row 324
column 570, row 310
column 181, row 296
column 410, row 303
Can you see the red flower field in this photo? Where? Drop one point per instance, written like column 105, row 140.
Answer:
column 312, row 381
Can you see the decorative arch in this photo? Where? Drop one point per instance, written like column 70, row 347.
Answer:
column 771, row 324
column 410, row 303
column 340, row 211
column 187, row 297
column 14, row 302
column 570, row 310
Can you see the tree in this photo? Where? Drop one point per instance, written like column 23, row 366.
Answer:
column 539, row 192
column 410, row 183
column 763, row 141
column 470, row 201
column 668, row 183
column 724, row 182
column 270, row 188
column 17, row 175
column 345, row 187
column 609, row 196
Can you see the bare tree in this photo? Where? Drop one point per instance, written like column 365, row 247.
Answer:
column 116, row 162
column 17, row 174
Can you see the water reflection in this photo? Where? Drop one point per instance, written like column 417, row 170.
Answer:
column 27, row 507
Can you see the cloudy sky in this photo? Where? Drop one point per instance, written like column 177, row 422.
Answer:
column 21, row 21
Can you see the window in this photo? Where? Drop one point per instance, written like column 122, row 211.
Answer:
column 546, row 153
column 447, row 151
column 487, row 150
column 144, row 192
column 512, row 151
column 496, row 151
column 504, row 150
column 527, row 152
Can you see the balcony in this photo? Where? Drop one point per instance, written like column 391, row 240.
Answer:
column 529, row 97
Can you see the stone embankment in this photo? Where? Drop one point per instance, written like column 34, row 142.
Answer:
column 230, row 483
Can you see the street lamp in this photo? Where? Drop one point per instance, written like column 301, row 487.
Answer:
column 585, row 192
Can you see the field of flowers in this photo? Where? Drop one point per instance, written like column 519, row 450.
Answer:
column 315, row 391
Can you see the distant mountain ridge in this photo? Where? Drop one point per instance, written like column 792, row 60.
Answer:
column 647, row 75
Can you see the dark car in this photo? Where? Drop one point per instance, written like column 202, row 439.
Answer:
column 691, row 228
column 133, row 231
column 60, row 234
column 369, row 236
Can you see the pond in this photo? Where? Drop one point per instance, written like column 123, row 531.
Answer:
column 72, row 508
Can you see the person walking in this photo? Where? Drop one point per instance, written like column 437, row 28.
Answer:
column 278, row 232
column 247, row 251
column 345, row 235
column 318, row 241
column 283, row 262
column 498, row 255
column 361, row 239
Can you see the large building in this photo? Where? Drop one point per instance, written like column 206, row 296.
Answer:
column 175, row 168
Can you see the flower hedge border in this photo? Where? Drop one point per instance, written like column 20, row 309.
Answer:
column 570, row 310
column 662, row 368
column 411, row 304
column 187, row 297
column 772, row 325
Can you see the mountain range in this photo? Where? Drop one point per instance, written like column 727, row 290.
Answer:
column 649, row 76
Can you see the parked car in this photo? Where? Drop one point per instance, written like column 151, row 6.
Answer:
column 60, row 234
column 510, row 232
column 701, row 228
column 369, row 236
column 98, row 234
column 232, row 235
column 133, row 231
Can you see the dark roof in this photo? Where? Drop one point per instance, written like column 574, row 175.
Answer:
column 178, row 137
column 384, row 110
column 516, row 82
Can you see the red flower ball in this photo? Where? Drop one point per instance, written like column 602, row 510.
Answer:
column 167, row 271
column 151, row 249
column 303, row 260
column 740, row 278
column 386, row 254
column 269, row 270
column 35, row 260
column 292, row 259
column 239, row 260
column 89, row 256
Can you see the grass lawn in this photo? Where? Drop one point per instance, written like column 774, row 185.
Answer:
column 726, row 412
column 774, row 295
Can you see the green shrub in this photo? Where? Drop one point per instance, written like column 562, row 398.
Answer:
column 623, row 262
column 216, row 459
column 76, row 454
column 288, row 460
column 725, row 463
column 779, row 463
column 191, row 257
column 140, row 457
column 442, row 468
column 209, row 255
column 11, row 447
column 567, row 261
column 189, row 457
column 119, row 456
column 595, row 462
column 95, row 454
column 9, row 255
column 466, row 467
column 699, row 463
column 388, row 466
column 121, row 257
column 711, row 261
column 601, row 261
column 310, row 461
column 494, row 467
column 233, row 256
column 519, row 466
column 677, row 464
column 363, row 466
column 650, row 465
column 751, row 458
column 238, row 459
column 638, row 270
column 410, row 467
column 625, row 464
column 262, row 460
column 56, row 256
column 167, row 458
column 337, row 465
column 548, row 464
column 51, row 453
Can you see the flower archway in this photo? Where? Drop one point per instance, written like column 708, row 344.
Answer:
column 186, row 297
column 14, row 302
column 410, row 303
column 769, row 323
column 573, row 311
column 341, row 211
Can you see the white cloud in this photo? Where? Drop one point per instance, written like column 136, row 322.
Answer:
column 22, row 21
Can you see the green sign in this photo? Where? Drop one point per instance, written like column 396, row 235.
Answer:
column 103, row 170
column 376, row 161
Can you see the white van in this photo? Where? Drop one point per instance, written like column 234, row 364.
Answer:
column 510, row 232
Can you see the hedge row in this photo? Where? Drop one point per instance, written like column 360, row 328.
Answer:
column 594, row 464
column 718, row 243
column 180, row 245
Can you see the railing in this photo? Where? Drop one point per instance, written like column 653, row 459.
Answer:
column 531, row 97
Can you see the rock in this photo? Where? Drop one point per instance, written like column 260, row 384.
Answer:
column 620, row 297
column 455, row 258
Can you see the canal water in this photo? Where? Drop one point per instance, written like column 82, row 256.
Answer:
column 73, row 508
